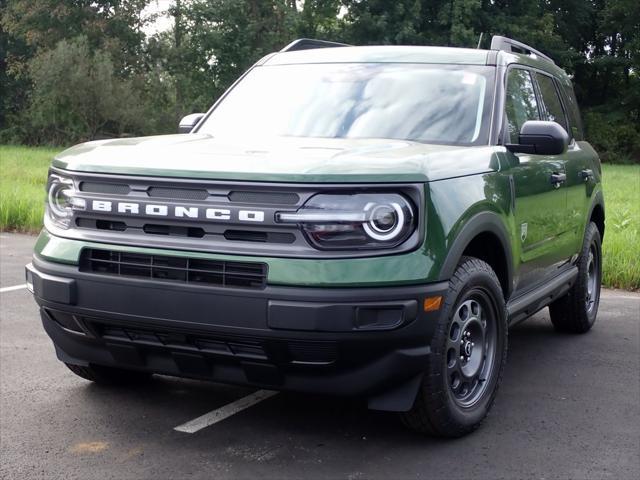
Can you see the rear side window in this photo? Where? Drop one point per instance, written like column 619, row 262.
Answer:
column 552, row 104
column 520, row 104
column 572, row 110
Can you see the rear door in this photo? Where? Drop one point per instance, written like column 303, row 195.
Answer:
column 583, row 165
column 540, row 202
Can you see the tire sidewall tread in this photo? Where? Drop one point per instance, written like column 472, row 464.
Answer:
column 435, row 411
column 569, row 313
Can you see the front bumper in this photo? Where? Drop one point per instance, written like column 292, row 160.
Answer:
column 370, row 342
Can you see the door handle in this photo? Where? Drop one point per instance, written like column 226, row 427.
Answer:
column 586, row 174
column 558, row 179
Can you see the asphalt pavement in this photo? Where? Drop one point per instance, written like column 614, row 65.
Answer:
column 569, row 407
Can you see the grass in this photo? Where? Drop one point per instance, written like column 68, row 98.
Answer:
column 621, row 247
column 23, row 172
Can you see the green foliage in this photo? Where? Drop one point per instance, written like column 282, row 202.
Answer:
column 76, row 95
column 383, row 22
column 114, row 25
column 23, row 173
column 614, row 138
column 28, row 29
column 621, row 249
column 597, row 42
column 213, row 41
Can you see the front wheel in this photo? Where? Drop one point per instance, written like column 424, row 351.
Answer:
column 468, row 354
column 576, row 311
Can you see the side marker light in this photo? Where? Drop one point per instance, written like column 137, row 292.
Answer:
column 432, row 304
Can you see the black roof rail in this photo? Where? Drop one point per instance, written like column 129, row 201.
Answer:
column 513, row 46
column 310, row 43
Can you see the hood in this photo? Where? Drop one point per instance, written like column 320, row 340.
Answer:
column 278, row 160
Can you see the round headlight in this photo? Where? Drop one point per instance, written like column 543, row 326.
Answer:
column 385, row 222
column 59, row 196
column 61, row 201
column 355, row 220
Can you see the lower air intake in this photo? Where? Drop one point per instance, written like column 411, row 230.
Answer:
column 175, row 269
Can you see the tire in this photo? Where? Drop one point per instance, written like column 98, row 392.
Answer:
column 108, row 375
column 442, row 408
column 576, row 311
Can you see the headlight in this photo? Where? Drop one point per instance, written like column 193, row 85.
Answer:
column 61, row 200
column 361, row 220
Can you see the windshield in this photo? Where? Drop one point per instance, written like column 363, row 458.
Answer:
column 426, row 103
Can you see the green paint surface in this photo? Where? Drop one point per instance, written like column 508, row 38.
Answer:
column 407, row 269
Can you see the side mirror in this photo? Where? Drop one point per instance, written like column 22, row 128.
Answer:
column 541, row 138
column 187, row 123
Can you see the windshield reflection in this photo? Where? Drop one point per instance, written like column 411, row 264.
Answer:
column 425, row 103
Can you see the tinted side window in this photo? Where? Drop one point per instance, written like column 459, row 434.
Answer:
column 521, row 104
column 572, row 110
column 551, row 100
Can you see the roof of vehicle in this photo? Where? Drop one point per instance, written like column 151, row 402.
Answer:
column 382, row 54
column 410, row 54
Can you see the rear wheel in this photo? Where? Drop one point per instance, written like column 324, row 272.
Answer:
column 576, row 311
column 468, row 353
column 108, row 375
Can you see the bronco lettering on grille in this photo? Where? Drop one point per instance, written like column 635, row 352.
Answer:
column 179, row 211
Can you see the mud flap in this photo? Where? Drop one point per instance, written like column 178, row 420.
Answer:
column 398, row 399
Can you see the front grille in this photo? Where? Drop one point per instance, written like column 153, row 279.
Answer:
column 174, row 269
column 207, row 216
column 108, row 188
column 194, row 232
column 265, row 237
column 178, row 193
column 101, row 224
column 259, row 198
column 218, row 224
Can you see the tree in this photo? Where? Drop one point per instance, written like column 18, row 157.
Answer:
column 214, row 41
column 29, row 28
column 220, row 39
column 597, row 41
column 113, row 25
column 77, row 95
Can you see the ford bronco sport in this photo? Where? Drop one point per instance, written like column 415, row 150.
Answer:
column 361, row 221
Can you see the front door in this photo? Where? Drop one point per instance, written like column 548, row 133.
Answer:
column 580, row 179
column 538, row 182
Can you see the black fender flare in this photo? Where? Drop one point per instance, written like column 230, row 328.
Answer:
column 598, row 200
column 483, row 222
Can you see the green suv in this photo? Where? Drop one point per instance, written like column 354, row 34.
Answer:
column 358, row 221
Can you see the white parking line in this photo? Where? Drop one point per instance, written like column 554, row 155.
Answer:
column 226, row 411
column 15, row 287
